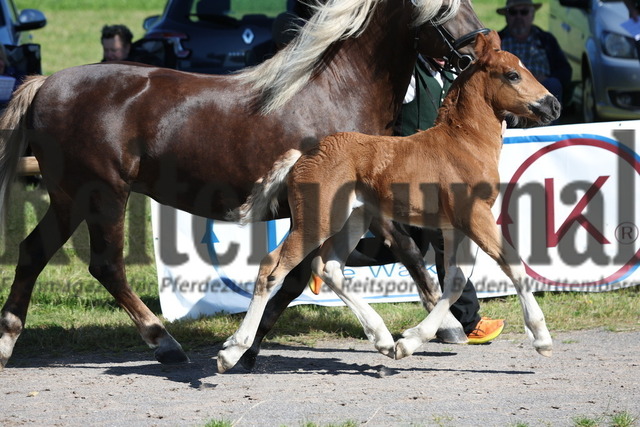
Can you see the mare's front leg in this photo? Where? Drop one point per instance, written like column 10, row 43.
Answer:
column 329, row 266
column 458, row 268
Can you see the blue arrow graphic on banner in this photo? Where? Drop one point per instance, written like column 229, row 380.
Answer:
column 209, row 239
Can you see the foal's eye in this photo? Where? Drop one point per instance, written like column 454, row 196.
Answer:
column 512, row 76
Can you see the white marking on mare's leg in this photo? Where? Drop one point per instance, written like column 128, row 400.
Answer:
column 10, row 329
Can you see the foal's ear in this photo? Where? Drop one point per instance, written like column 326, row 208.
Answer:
column 485, row 44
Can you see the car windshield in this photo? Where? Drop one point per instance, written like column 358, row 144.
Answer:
column 202, row 9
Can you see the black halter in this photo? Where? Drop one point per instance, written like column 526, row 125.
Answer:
column 456, row 61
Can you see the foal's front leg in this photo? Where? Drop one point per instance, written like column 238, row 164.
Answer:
column 489, row 238
column 329, row 266
column 458, row 268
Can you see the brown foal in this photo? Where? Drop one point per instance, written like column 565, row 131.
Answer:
column 445, row 177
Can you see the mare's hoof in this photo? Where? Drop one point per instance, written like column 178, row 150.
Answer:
column 171, row 356
column 248, row 359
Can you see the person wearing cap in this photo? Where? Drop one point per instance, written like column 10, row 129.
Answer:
column 538, row 50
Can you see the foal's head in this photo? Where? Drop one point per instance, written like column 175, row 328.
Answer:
column 512, row 89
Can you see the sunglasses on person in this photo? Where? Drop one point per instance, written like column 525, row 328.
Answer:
column 521, row 12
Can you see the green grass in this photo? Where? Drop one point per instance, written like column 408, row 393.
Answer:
column 621, row 419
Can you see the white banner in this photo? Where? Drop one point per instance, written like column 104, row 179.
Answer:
column 568, row 203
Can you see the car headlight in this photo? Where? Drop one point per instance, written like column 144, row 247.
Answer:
column 618, row 46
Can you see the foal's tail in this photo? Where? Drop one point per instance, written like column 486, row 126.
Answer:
column 13, row 137
column 264, row 196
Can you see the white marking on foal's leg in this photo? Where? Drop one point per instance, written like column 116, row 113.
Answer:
column 454, row 282
column 238, row 343
column 426, row 330
column 533, row 316
column 373, row 325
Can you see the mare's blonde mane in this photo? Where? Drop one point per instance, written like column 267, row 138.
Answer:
column 276, row 81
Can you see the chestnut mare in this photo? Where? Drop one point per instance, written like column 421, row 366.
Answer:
column 199, row 142
column 450, row 173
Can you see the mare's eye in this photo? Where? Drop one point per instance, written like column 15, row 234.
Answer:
column 512, row 76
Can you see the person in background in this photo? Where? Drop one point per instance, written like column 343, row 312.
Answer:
column 634, row 13
column 426, row 91
column 116, row 43
column 7, row 70
column 538, row 50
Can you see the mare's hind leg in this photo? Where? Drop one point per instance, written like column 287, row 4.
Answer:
column 489, row 238
column 329, row 265
column 106, row 231
column 35, row 251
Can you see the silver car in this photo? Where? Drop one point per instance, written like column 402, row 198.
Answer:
column 603, row 56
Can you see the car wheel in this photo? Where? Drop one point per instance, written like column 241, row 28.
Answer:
column 589, row 114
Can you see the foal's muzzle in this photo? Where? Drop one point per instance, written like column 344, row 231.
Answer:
column 547, row 109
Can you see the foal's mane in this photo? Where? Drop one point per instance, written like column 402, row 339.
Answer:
column 277, row 80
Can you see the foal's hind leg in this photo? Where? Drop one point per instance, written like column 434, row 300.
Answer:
column 106, row 231
column 405, row 249
column 35, row 251
column 273, row 269
column 292, row 287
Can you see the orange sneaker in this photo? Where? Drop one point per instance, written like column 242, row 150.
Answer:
column 486, row 330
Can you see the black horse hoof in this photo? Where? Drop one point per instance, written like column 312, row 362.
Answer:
column 248, row 359
column 172, row 356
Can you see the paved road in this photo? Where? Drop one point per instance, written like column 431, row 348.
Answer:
column 592, row 373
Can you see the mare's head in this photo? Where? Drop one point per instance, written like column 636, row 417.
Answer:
column 512, row 89
column 451, row 37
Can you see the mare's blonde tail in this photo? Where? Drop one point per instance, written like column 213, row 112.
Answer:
column 13, row 137
column 264, row 196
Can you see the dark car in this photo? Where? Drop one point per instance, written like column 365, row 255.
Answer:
column 215, row 36
column 23, row 57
